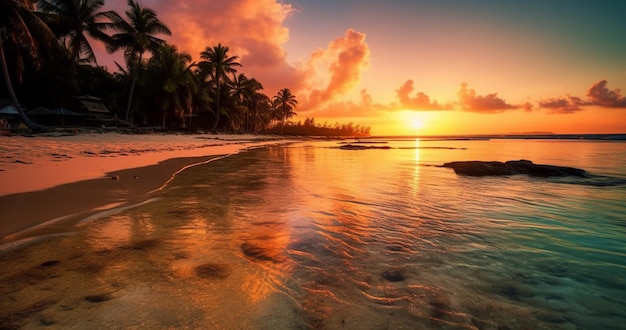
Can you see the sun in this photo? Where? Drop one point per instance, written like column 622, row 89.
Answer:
column 413, row 120
column 417, row 124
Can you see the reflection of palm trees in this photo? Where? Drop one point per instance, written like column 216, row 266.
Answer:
column 136, row 36
column 217, row 64
column 284, row 102
column 23, row 33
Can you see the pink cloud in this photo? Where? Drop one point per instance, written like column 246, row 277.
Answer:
column 252, row 29
column 345, row 58
column 562, row 105
column 601, row 95
column 364, row 108
column 490, row 103
column 420, row 101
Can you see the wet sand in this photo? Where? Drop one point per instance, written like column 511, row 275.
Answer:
column 60, row 268
column 25, row 213
column 48, row 192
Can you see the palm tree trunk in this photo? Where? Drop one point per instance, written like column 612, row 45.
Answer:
column 217, row 102
column 282, row 127
column 34, row 127
column 130, row 97
column 132, row 87
column 284, row 119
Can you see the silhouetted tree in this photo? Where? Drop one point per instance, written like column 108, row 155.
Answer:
column 170, row 73
column 73, row 20
column 245, row 91
column 216, row 65
column 285, row 102
column 22, row 33
column 136, row 35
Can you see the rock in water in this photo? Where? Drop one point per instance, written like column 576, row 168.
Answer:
column 359, row 147
column 512, row 167
column 213, row 270
column 393, row 275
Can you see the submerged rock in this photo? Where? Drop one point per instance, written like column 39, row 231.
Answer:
column 96, row 298
column 512, row 167
column 49, row 263
column 361, row 147
column 256, row 252
column 213, row 270
column 393, row 275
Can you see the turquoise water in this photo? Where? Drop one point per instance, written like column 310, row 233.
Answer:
column 312, row 236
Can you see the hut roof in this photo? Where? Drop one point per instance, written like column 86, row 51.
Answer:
column 95, row 106
column 8, row 110
column 39, row 111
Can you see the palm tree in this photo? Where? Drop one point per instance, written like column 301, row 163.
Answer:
column 201, row 101
column 217, row 63
column 244, row 91
column 262, row 113
column 24, row 34
column 285, row 102
column 171, row 71
column 73, row 20
column 136, row 36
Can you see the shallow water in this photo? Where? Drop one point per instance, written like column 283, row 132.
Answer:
column 311, row 236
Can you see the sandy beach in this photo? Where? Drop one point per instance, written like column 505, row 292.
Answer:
column 50, row 182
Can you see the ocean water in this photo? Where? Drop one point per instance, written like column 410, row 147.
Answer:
column 309, row 235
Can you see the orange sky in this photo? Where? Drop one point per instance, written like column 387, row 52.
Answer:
column 427, row 68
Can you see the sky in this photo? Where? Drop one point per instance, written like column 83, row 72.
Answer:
column 410, row 67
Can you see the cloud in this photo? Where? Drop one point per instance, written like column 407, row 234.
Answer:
column 562, row 105
column 344, row 59
column 364, row 108
column 600, row 95
column 252, row 29
column 528, row 107
column 421, row 101
column 490, row 103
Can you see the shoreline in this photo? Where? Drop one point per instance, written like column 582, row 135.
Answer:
column 119, row 181
column 42, row 162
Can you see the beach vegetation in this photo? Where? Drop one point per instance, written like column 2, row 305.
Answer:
column 284, row 103
column 309, row 127
column 245, row 92
column 25, row 39
column 73, row 20
column 136, row 36
column 48, row 58
column 173, row 85
column 215, row 67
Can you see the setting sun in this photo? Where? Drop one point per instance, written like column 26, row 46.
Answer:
column 417, row 124
column 412, row 122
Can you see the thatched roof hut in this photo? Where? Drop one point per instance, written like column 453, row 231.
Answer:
column 92, row 105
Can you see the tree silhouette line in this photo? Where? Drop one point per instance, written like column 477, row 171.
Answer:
column 47, row 60
column 310, row 128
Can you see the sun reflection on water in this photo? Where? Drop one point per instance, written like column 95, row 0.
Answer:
column 317, row 237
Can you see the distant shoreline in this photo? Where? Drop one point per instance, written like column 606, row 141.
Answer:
column 546, row 136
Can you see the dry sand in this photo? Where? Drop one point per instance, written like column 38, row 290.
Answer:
column 48, row 183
